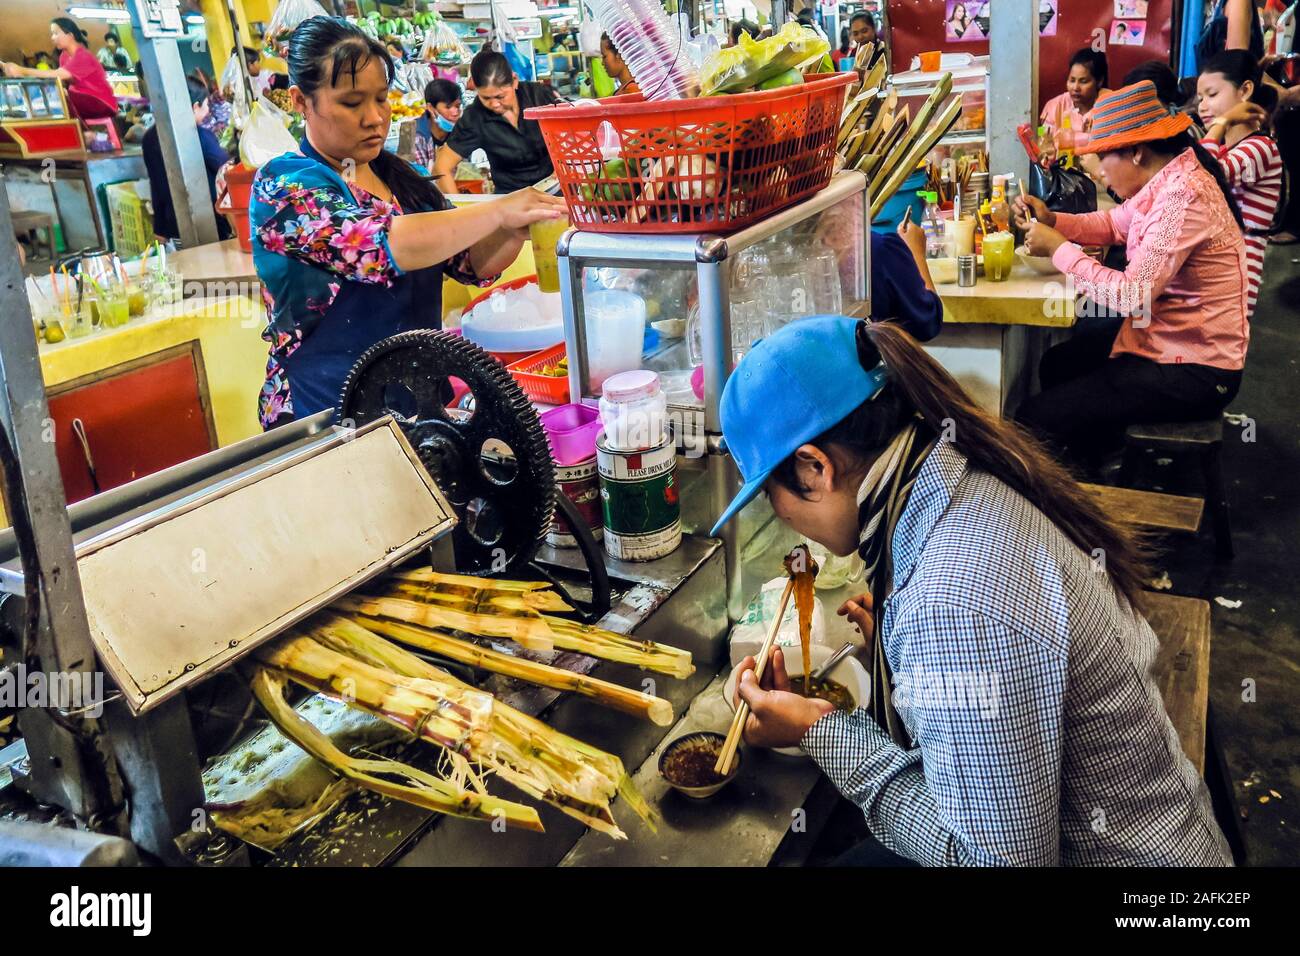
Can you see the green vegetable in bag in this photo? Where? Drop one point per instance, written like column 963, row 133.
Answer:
column 751, row 62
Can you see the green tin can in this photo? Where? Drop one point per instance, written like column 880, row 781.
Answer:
column 639, row 501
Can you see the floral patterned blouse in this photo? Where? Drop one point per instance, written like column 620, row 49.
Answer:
column 329, row 281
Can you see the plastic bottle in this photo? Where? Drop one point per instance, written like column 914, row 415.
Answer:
column 1067, row 155
column 1000, row 210
column 932, row 223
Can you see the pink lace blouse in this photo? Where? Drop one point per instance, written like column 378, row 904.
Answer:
column 1184, row 290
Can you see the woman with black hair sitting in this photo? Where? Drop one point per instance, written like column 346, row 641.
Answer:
column 1181, row 345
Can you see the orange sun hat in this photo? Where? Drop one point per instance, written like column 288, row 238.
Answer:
column 1130, row 116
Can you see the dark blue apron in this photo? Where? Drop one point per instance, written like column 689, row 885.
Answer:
column 362, row 314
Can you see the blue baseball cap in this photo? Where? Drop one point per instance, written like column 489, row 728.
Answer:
column 790, row 388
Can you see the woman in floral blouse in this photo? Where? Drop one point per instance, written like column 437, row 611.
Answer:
column 351, row 243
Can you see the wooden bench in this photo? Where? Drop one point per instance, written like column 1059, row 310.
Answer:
column 1182, row 667
column 1204, row 440
column 1150, row 509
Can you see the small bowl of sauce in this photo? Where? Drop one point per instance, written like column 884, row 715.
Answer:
column 687, row 764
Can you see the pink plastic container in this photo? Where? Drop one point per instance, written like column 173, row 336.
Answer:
column 572, row 431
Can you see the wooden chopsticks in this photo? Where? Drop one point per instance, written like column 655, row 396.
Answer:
column 723, row 764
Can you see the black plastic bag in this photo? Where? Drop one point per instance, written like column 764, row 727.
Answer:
column 1064, row 190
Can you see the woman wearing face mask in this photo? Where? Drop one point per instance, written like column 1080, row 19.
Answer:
column 90, row 95
column 350, row 242
column 441, row 110
column 979, row 550
column 1233, row 107
column 1181, row 347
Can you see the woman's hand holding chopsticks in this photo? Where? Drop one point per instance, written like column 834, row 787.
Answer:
column 777, row 717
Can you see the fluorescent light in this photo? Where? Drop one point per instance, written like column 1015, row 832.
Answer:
column 112, row 14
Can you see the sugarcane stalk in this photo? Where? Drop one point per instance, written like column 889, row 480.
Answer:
column 463, row 589
column 655, row 709
column 920, row 148
column 525, row 629
column 435, row 710
column 572, row 776
column 411, row 785
column 543, row 632
column 598, row 642
column 877, row 125
column 918, row 128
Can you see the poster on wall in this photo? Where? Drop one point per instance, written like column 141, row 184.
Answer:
column 1131, row 9
column 968, row 22
column 1128, row 32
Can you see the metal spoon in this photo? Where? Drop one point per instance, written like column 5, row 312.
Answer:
column 830, row 662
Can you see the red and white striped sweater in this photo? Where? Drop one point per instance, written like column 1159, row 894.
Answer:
column 1254, row 170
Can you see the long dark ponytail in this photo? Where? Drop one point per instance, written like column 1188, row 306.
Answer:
column 919, row 385
column 321, row 51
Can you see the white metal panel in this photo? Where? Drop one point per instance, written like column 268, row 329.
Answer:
column 174, row 599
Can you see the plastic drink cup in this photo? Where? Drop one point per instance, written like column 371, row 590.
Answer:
column 114, row 307
column 965, row 233
column 545, row 235
column 999, row 256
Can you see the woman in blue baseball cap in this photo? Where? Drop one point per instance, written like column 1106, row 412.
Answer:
column 1011, row 687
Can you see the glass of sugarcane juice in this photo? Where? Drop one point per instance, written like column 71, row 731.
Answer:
column 545, row 237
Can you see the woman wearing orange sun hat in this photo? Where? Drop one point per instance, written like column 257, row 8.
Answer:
column 1179, row 353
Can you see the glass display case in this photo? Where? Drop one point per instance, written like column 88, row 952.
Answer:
column 970, row 82
column 34, row 118
column 690, row 306
column 28, row 98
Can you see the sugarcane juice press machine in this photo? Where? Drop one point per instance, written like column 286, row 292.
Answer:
column 148, row 597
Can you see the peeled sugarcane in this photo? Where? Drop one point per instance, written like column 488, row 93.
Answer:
column 917, row 130
column 572, row 776
column 411, row 784
column 471, row 593
column 918, row 150
column 655, row 709
column 545, row 631
column 523, row 626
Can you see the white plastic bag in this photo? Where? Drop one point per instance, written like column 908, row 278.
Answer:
column 443, row 45
column 285, row 20
column 266, row 135
column 589, row 37
column 748, row 634
column 232, row 86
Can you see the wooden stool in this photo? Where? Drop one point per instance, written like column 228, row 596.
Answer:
column 28, row 225
column 1203, row 439
column 1149, row 509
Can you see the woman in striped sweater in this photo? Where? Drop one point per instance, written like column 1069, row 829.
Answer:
column 1235, row 111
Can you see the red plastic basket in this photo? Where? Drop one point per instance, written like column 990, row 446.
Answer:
column 715, row 164
column 547, row 389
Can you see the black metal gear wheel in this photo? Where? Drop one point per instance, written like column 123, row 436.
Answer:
column 491, row 458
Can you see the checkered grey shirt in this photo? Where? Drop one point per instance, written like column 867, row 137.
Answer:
column 1024, row 680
